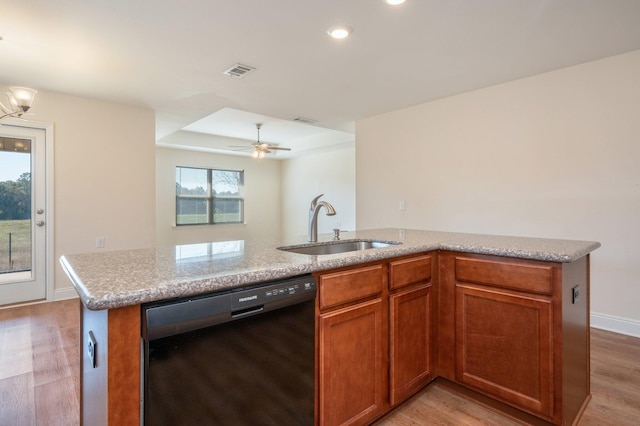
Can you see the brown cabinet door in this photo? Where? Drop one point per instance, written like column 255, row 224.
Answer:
column 504, row 346
column 410, row 341
column 353, row 373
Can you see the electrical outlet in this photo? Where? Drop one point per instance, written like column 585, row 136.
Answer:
column 402, row 206
column 99, row 242
column 575, row 294
column 92, row 350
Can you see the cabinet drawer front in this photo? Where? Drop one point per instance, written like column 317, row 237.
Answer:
column 523, row 277
column 409, row 271
column 342, row 287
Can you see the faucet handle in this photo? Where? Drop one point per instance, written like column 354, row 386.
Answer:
column 336, row 233
column 314, row 202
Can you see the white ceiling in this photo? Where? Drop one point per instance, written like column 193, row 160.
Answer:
column 238, row 129
column 169, row 55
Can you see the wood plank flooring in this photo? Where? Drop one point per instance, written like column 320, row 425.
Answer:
column 615, row 393
column 40, row 365
column 39, row 377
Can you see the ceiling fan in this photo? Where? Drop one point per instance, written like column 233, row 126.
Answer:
column 260, row 149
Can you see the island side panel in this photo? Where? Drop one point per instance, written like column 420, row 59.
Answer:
column 93, row 384
column 110, row 390
column 124, row 366
column 576, row 391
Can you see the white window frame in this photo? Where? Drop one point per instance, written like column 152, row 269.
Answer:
column 210, row 199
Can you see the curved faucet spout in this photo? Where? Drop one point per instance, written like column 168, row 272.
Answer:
column 313, row 216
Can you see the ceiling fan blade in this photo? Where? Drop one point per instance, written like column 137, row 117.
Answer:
column 259, row 148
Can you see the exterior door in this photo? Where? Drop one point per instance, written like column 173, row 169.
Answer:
column 23, row 217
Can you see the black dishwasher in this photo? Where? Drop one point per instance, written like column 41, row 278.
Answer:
column 242, row 357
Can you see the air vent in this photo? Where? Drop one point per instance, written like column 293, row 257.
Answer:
column 239, row 70
column 305, row 120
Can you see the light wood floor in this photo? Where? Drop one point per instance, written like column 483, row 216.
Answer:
column 615, row 393
column 39, row 373
column 40, row 365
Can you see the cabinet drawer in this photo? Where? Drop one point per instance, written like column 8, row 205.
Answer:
column 345, row 286
column 522, row 276
column 409, row 271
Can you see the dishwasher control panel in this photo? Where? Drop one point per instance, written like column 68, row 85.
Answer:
column 300, row 287
column 167, row 318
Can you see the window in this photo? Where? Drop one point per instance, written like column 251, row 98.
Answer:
column 209, row 196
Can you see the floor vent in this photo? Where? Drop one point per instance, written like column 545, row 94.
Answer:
column 239, row 70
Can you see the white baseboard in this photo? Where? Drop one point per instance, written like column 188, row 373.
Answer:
column 65, row 293
column 616, row 324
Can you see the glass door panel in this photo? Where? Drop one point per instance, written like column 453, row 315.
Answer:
column 15, row 205
column 22, row 237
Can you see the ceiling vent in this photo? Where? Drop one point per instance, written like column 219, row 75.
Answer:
column 305, row 120
column 239, row 70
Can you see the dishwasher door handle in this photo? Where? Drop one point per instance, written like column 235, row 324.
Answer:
column 247, row 312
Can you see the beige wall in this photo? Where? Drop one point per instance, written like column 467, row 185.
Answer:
column 103, row 176
column 262, row 197
column 555, row 155
column 330, row 172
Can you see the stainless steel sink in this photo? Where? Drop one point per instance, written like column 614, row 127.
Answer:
column 333, row 247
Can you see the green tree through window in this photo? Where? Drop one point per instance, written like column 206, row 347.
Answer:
column 209, row 196
column 15, row 198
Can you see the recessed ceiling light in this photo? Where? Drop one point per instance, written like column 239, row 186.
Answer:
column 339, row 31
column 395, row 2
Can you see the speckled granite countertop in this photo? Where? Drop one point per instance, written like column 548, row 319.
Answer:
column 112, row 279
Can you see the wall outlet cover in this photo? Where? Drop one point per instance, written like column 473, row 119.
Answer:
column 575, row 294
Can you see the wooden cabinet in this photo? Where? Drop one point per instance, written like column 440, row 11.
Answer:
column 411, row 318
column 352, row 364
column 352, row 346
column 504, row 333
column 504, row 346
column 516, row 331
column 512, row 330
column 374, row 338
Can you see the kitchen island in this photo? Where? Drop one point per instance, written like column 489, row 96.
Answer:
column 113, row 285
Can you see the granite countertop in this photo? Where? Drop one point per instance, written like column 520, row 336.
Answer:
column 113, row 279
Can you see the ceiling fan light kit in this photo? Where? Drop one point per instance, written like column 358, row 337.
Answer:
column 261, row 149
column 20, row 101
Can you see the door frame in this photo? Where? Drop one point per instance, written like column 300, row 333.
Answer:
column 49, row 229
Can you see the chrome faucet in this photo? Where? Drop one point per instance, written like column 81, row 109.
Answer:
column 313, row 216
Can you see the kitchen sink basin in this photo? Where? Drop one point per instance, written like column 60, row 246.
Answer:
column 334, row 247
